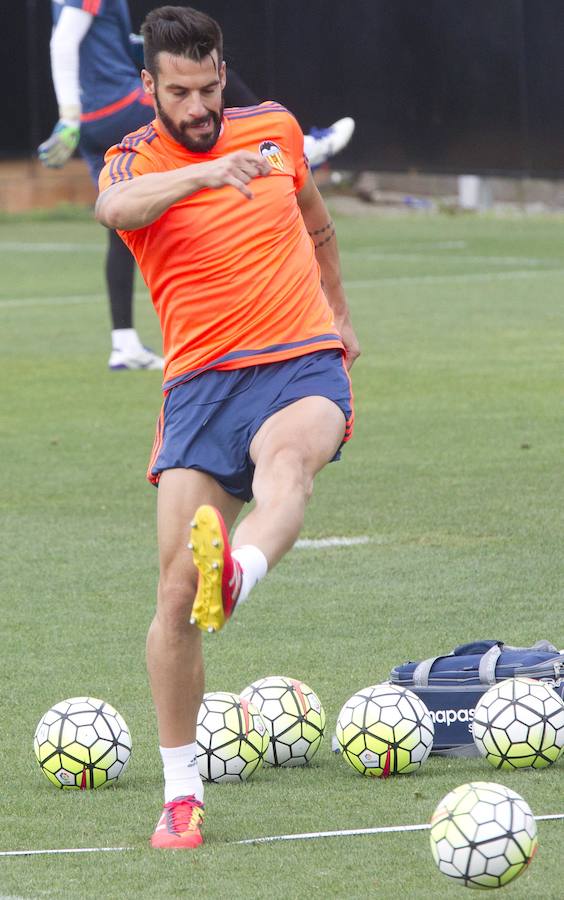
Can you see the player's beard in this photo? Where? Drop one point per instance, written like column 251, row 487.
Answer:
column 200, row 144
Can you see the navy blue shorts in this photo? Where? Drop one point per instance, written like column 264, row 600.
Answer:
column 208, row 422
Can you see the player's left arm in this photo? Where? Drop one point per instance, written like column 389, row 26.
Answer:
column 70, row 31
column 322, row 232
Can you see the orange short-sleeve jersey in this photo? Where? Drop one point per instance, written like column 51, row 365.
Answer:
column 234, row 282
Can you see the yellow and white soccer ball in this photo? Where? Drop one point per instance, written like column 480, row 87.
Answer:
column 231, row 738
column 519, row 723
column 483, row 835
column 385, row 730
column 294, row 717
column 82, row 743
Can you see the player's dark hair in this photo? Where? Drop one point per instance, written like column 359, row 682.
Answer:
column 181, row 31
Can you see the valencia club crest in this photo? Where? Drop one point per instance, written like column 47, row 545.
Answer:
column 273, row 154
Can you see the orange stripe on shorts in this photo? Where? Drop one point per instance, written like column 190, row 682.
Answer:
column 91, row 6
column 137, row 94
column 157, row 444
column 349, row 425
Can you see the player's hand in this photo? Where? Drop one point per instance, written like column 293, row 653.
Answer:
column 237, row 169
column 57, row 149
column 350, row 340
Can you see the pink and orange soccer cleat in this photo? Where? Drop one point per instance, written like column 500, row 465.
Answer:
column 180, row 824
column 219, row 581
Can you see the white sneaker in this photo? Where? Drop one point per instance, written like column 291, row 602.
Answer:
column 139, row 359
column 322, row 143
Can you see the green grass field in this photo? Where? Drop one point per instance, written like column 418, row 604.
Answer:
column 455, row 475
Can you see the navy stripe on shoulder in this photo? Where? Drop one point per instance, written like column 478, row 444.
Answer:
column 112, row 170
column 120, row 167
column 143, row 134
column 271, row 105
column 257, row 112
column 262, row 105
column 231, row 109
column 240, row 112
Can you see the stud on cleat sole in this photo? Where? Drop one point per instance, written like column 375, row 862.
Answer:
column 209, row 543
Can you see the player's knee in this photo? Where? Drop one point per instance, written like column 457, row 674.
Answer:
column 175, row 601
column 287, row 472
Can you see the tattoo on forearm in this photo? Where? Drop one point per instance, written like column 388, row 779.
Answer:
column 325, row 240
column 326, row 237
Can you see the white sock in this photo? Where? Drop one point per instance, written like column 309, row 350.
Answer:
column 254, row 565
column 126, row 340
column 182, row 778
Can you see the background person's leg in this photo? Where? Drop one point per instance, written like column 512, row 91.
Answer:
column 127, row 350
column 320, row 144
column 120, row 270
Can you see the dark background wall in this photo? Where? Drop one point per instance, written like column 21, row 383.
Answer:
column 435, row 85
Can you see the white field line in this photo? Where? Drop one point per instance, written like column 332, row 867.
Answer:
column 429, row 245
column 515, row 275
column 51, row 247
column 26, row 303
column 71, row 300
column 366, row 253
column 386, row 829
column 311, row 835
column 320, row 543
column 68, row 247
column 64, row 850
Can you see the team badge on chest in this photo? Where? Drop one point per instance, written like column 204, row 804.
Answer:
column 272, row 152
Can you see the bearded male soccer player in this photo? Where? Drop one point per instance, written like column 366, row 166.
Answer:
column 234, row 242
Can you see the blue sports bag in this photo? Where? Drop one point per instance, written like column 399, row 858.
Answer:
column 451, row 685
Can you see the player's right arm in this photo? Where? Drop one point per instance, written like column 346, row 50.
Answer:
column 136, row 203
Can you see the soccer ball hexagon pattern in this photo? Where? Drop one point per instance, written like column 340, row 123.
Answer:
column 519, row 723
column 294, row 717
column 385, row 730
column 82, row 743
column 483, row 835
column 231, row 737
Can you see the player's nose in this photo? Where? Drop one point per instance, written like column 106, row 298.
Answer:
column 195, row 107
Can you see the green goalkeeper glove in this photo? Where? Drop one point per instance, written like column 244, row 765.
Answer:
column 57, row 149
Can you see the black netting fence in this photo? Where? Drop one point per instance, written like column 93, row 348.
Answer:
column 435, row 85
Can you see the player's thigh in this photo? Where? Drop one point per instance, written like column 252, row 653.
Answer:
column 310, row 429
column 180, row 493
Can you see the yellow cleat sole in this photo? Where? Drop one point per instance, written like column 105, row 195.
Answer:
column 207, row 545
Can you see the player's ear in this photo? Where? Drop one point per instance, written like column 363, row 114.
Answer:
column 223, row 75
column 148, row 82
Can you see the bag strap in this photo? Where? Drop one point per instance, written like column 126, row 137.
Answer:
column 488, row 662
column 422, row 671
column 486, row 667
